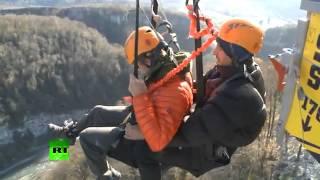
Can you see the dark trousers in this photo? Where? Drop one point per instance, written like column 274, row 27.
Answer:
column 100, row 137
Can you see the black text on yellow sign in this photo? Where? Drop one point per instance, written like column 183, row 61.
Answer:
column 313, row 108
column 314, row 83
column 314, row 80
column 304, row 118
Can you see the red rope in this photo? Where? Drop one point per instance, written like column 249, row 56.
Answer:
column 193, row 27
column 209, row 30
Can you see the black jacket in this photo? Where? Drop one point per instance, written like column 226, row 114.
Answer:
column 234, row 117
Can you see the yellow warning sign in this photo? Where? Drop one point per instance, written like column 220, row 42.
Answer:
column 304, row 118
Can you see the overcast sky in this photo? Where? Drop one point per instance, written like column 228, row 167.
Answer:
column 269, row 12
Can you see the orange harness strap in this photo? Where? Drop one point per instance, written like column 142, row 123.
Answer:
column 209, row 30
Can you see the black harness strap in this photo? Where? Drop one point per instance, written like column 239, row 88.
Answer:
column 136, row 45
column 155, row 9
column 199, row 63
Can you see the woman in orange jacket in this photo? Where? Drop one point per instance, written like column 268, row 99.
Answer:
column 158, row 114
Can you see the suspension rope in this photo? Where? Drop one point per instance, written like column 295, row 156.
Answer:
column 193, row 33
column 155, row 10
column 148, row 19
column 135, row 72
column 199, row 60
column 184, row 64
column 208, row 31
column 158, row 22
column 162, row 11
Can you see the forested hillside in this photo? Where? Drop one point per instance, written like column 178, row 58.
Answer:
column 49, row 64
column 116, row 22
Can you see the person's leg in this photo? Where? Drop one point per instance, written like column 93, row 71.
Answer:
column 103, row 116
column 123, row 152
column 96, row 142
column 138, row 155
column 133, row 153
column 99, row 116
column 149, row 166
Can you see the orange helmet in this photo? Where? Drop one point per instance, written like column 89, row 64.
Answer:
column 243, row 34
column 148, row 40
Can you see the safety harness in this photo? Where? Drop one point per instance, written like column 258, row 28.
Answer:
column 194, row 32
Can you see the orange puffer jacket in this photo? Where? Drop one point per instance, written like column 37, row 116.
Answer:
column 160, row 113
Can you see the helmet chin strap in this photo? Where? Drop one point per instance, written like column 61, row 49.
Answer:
column 239, row 63
column 247, row 74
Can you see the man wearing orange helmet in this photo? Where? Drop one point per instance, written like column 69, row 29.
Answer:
column 233, row 110
column 158, row 114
